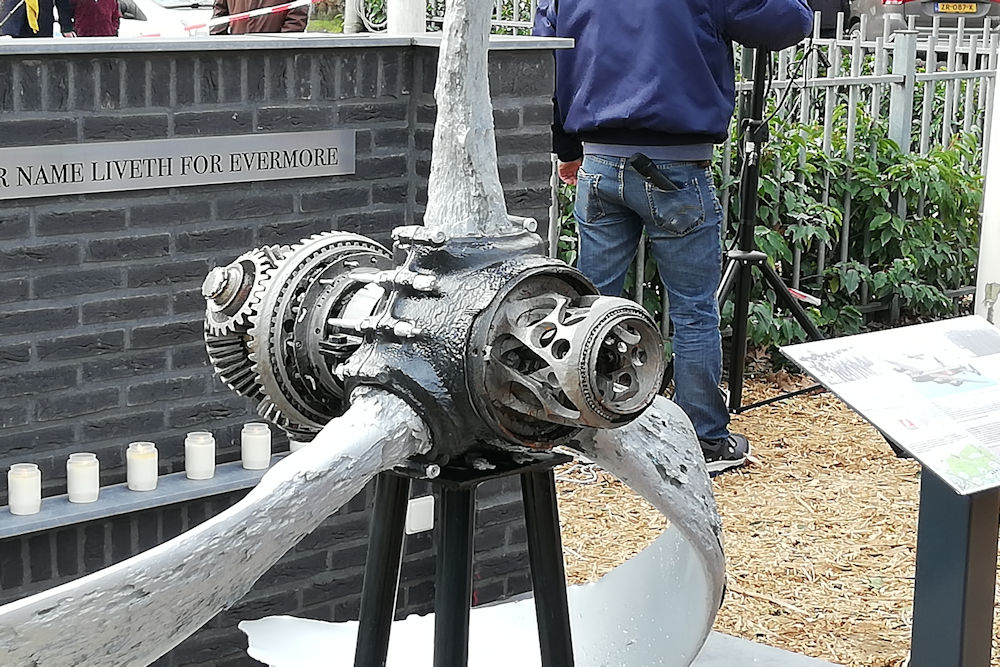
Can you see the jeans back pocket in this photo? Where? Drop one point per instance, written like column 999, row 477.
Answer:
column 588, row 206
column 676, row 212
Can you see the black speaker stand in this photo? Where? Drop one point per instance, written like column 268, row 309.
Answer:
column 746, row 256
column 454, row 529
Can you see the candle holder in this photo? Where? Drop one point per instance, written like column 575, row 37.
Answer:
column 142, row 462
column 255, row 446
column 83, row 477
column 24, row 489
column 199, row 455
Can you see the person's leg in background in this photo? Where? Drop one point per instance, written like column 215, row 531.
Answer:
column 684, row 228
column 607, row 230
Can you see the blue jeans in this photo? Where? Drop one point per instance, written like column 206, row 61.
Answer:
column 613, row 205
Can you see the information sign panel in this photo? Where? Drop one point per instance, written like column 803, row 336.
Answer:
column 933, row 389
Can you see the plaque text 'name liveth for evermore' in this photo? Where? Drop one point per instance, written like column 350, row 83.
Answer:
column 43, row 171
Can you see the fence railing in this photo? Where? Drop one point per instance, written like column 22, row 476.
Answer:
column 510, row 17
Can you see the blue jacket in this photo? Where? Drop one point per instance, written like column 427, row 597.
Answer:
column 656, row 72
column 17, row 19
column 13, row 19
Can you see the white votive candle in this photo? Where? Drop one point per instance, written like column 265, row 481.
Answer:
column 83, row 477
column 141, row 462
column 255, row 446
column 296, row 445
column 199, row 455
column 24, row 488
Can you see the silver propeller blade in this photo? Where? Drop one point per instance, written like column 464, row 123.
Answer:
column 141, row 608
column 464, row 195
column 658, row 457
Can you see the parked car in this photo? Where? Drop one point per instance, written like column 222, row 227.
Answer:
column 895, row 14
column 164, row 18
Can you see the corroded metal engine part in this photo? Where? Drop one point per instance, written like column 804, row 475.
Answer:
column 502, row 346
column 266, row 324
column 493, row 343
column 290, row 340
column 556, row 356
column 234, row 291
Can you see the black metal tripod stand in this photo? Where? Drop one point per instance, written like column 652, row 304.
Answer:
column 453, row 539
column 746, row 256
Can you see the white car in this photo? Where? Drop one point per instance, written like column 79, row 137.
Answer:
column 163, row 18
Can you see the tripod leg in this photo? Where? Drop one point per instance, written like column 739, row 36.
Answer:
column 790, row 301
column 385, row 550
column 548, row 577
column 726, row 284
column 738, row 353
column 453, row 576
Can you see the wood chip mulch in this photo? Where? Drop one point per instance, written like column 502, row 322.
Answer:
column 820, row 532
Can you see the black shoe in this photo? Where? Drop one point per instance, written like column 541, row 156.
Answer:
column 726, row 454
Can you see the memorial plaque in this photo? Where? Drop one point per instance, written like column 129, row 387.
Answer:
column 934, row 389
column 44, row 171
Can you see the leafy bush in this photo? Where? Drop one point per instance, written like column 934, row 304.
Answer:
column 335, row 25
column 913, row 221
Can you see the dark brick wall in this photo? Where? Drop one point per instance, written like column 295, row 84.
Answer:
column 101, row 315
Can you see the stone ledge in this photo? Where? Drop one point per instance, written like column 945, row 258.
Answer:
column 106, row 46
column 58, row 511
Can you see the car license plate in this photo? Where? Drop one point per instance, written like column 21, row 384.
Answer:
column 955, row 7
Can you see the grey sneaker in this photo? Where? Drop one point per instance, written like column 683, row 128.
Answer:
column 722, row 455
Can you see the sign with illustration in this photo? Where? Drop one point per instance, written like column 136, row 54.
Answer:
column 933, row 389
column 44, row 171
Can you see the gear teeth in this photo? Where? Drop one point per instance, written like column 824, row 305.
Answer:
column 269, row 411
column 228, row 356
column 264, row 260
column 258, row 331
column 242, row 380
column 253, row 334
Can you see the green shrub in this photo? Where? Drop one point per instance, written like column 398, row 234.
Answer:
column 335, row 24
column 913, row 227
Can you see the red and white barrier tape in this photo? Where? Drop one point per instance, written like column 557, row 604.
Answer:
column 250, row 14
column 243, row 16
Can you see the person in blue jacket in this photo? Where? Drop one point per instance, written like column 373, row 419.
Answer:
column 657, row 78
